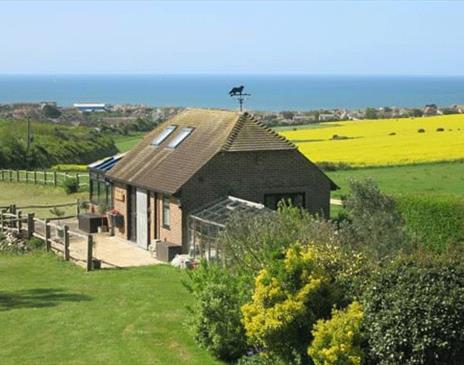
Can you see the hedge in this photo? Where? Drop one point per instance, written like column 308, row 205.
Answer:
column 436, row 222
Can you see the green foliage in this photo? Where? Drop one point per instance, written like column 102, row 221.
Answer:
column 35, row 243
column 71, row 185
column 374, row 222
column 371, row 113
column 258, row 359
column 215, row 312
column 338, row 340
column 51, row 111
column 51, row 145
column 70, row 167
column 436, row 222
column 251, row 242
column 287, row 300
column 414, row 312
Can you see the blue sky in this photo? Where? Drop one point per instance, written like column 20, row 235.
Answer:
column 350, row 38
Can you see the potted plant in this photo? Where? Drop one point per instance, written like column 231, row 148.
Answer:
column 103, row 209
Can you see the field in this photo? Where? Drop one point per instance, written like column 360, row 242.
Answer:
column 52, row 312
column 383, row 142
column 125, row 143
column 446, row 178
column 29, row 194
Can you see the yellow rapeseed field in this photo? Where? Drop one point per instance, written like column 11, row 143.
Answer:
column 384, row 141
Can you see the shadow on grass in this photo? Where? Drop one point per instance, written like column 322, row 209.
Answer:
column 38, row 298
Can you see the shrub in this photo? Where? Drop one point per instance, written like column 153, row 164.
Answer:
column 421, row 130
column 336, row 137
column 440, row 129
column 374, row 222
column 333, row 166
column 215, row 313
column 414, row 313
column 35, row 243
column 338, row 341
column 392, row 134
column 258, row 359
column 288, row 299
column 436, row 222
column 251, row 242
column 71, row 185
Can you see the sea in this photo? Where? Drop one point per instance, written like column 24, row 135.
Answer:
column 267, row 92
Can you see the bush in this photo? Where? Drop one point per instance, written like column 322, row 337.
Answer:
column 288, row 299
column 70, row 167
column 333, row 166
column 258, row 359
column 436, row 222
column 421, row 130
column 35, row 243
column 414, row 313
column 440, row 129
column 338, row 341
column 215, row 313
column 374, row 221
column 251, row 242
column 71, row 185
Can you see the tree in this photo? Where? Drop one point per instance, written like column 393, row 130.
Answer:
column 371, row 113
column 51, row 111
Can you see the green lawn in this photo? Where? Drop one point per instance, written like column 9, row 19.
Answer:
column 125, row 143
column 52, row 312
column 23, row 194
column 440, row 178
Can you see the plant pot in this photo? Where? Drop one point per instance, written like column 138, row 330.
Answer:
column 96, row 264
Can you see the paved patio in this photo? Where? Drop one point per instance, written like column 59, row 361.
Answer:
column 112, row 251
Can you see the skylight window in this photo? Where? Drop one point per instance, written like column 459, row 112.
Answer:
column 183, row 134
column 163, row 135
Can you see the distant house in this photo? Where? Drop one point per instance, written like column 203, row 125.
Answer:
column 327, row 117
column 91, row 107
column 430, row 109
column 199, row 157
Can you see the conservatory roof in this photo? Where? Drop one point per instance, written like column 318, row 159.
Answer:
column 219, row 212
column 106, row 164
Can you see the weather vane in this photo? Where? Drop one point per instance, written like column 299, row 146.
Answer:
column 239, row 94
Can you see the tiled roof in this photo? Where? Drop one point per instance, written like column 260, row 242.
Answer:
column 165, row 169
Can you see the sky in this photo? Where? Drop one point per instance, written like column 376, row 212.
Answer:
column 265, row 37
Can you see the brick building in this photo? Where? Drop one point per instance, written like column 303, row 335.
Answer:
column 200, row 156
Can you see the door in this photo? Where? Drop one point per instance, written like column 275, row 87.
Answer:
column 142, row 218
column 132, row 221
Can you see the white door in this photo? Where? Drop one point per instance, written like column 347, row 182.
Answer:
column 142, row 218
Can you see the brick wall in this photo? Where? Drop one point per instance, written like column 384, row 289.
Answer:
column 120, row 204
column 252, row 175
column 172, row 234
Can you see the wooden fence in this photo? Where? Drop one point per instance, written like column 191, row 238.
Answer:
column 57, row 237
column 43, row 177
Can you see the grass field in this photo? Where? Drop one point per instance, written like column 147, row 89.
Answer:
column 383, row 142
column 52, row 312
column 439, row 178
column 28, row 194
column 125, row 143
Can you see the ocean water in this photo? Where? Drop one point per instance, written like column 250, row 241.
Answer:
column 285, row 92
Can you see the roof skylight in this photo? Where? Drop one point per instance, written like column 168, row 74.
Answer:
column 181, row 136
column 163, row 135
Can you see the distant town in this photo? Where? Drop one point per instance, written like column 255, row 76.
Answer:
column 124, row 118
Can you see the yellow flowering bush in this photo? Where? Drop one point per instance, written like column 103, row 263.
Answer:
column 337, row 340
column 287, row 300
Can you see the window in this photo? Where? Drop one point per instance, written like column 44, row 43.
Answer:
column 166, row 212
column 183, row 134
column 272, row 200
column 163, row 135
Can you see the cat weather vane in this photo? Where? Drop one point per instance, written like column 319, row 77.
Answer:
column 238, row 93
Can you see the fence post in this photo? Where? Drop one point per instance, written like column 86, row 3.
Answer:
column 45, row 177
column 30, row 225
column 27, row 176
column 47, row 235
column 66, row 242
column 2, row 220
column 2, row 176
column 19, row 224
column 11, row 175
column 17, row 175
column 35, row 177
column 89, row 252
column 78, row 207
column 54, row 178
column 77, row 179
